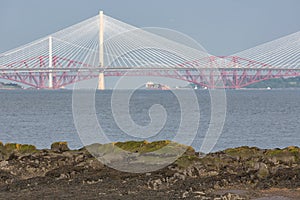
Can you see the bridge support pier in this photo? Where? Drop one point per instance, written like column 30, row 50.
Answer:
column 101, row 80
column 101, row 83
column 50, row 83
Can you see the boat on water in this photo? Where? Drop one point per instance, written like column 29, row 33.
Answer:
column 156, row 86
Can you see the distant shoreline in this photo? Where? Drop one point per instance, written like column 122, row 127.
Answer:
column 237, row 89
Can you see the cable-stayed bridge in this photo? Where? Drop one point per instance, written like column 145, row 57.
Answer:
column 103, row 46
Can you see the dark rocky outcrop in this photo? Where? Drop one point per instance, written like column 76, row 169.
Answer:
column 237, row 173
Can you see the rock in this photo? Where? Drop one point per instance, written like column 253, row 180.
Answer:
column 179, row 176
column 185, row 194
column 59, row 146
column 230, row 196
column 79, row 158
column 199, row 193
column 263, row 171
column 154, row 184
column 95, row 164
column 289, row 155
column 244, row 152
column 3, row 164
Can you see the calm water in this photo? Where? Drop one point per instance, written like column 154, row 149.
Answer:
column 265, row 119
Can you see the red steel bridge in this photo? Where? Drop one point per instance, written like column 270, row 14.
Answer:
column 103, row 46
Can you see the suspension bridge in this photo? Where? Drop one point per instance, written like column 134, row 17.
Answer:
column 102, row 46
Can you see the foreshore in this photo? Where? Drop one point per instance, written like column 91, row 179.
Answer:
column 61, row 173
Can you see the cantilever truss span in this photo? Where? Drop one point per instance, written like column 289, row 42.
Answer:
column 72, row 55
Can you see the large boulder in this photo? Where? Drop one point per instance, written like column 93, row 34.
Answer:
column 59, row 146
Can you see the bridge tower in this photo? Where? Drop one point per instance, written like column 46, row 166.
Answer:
column 101, row 83
column 50, row 82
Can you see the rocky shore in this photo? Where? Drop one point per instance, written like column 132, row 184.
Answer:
column 232, row 174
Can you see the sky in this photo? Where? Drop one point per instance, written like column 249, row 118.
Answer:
column 222, row 27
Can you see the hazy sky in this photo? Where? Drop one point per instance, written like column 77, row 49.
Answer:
column 223, row 27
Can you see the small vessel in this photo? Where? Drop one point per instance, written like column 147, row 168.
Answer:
column 156, row 86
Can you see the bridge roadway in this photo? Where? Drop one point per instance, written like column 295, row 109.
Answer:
column 207, row 77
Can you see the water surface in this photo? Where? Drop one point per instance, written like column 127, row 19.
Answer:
column 266, row 119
